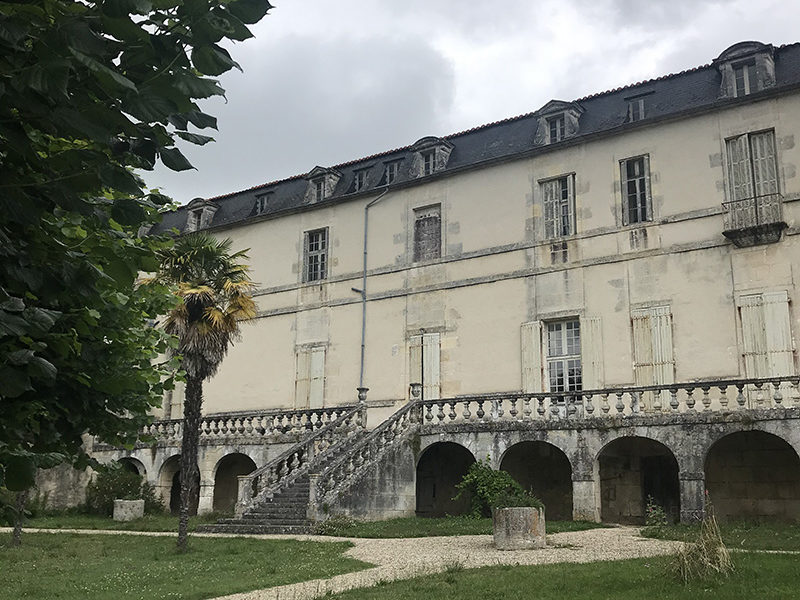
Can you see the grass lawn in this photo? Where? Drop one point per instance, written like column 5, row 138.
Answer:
column 758, row 576
column 426, row 527
column 739, row 535
column 163, row 522
column 67, row 566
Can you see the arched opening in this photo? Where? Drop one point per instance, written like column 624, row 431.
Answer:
column 169, row 481
column 226, row 480
column 439, row 469
column 633, row 469
column 753, row 475
column 134, row 466
column 545, row 470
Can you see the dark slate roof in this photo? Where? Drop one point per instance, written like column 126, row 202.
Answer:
column 604, row 113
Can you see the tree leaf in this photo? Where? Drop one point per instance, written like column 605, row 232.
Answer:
column 20, row 473
column 249, row 11
column 13, row 382
column 100, row 68
column 174, row 159
column 194, row 138
column 213, row 60
column 201, row 120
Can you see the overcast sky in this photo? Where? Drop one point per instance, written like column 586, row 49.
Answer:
column 328, row 81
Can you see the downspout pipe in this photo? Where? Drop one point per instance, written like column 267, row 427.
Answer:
column 363, row 290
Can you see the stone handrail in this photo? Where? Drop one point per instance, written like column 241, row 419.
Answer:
column 256, row 426
column 720, row 395
column 341, row 473
column 295, row 462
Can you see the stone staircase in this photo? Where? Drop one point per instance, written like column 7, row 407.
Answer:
column 281, row 506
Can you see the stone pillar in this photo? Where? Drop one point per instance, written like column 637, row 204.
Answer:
column 692, row 491
column 206, row 501
column 585, row 491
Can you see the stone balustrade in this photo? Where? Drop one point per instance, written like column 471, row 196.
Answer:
column 708, row 395
column 256, row 426
column 298, row 460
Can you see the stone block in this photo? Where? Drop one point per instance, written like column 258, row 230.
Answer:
column 518, row 528
column 128, row 510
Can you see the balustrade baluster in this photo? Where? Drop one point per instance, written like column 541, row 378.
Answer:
column 706, row 398
column 796, row 384
column 776, row 395
column 452, row 414
column 500, row 410
column 480, row 414
column 759, row 394
column 440, row 412
column 526, row 408
column 620, row 406
column 673, row 398
column 588, row 405
column 723, row 396
column 540, row 407
column 467, row 415
column 555, row 405
column 604, row 406
column 658, row 406
column 690, row 399
column 636, row 402
column 513, row 410
column 740, row 399
column 429, row 413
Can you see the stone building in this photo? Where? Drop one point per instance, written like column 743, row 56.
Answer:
column 600, row 296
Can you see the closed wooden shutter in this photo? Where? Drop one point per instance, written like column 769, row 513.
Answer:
column 663, row 352
column 762, row 152
column 739, row 168
column 316, row 370
column 653, row 353
column 592, row 353
column 301, row 386
column 778, row 334
column 430, row 360
column 642, row 347
column 754, row 343
column 531, row 348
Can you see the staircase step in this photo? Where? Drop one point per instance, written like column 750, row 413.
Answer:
column 253, row 528
column 255, row 521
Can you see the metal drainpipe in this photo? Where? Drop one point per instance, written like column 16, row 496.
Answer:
column 363, row 290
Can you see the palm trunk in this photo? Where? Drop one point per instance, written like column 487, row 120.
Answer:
column 192, row 406
column 22, row 498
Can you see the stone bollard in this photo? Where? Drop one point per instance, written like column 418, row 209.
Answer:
column 128, row 510
column 518, row 528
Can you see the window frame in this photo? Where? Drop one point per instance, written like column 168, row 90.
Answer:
column 434, row 252
column 749, row 78
column 753, row 183
column 315, row 260
column 359, row 180
column 565, row 359
column 429, row 162
column 319, row 189
column 552, row 225
column 643, row 191
column 556, row 124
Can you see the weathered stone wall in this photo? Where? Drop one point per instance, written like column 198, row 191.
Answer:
column 63, row 486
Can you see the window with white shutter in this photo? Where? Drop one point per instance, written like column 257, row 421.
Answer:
column 752, row 169
column 558, row 201
column 653, row 355
column 767, row 347
column 423, row 363
column 310, row 377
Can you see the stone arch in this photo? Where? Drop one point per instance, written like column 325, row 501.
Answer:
column 545, row 469
column 134, row 465
column 631, row 469
column 753, row 474
column 440, row 467
column 226, row 479
column 169, row 482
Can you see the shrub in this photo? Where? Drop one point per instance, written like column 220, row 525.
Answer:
column 488, row 489
column 114, row 482
column 706, row 557
column 336, row 525
column 655, row 515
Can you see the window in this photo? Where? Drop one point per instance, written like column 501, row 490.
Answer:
column 194, row 220
column 427, row 233
column 316, row 255
column 559, row 207
column 766, row 345
column 557, row 128
column 428, row 162
column 262, row 201
column 359, row 180
column 653, row 356
column 635, row 178
column 390, row 172
column 744, row 79
column 423, row 363
column 319, row 190
column 635, row 109
column 309, row 390
column 752, row 172
column 564, row 356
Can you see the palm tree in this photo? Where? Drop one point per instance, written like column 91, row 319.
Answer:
column 215, row 292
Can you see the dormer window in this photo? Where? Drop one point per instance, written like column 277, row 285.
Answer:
column 199, row 214
column 321, row 184
column 746, row 68
column 262, row 201
column 390, row 170
column 557, row 121
column 430, row 156
column 359, row 180
column 744, row 79
column 557, row 128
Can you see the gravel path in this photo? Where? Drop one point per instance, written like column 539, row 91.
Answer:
column 411, row 557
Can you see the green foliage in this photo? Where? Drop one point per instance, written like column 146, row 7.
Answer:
column 89, row 92
column 117, row 483
column 655, row 516
column 488, row 489
column 337, row 525
column 705, row 558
